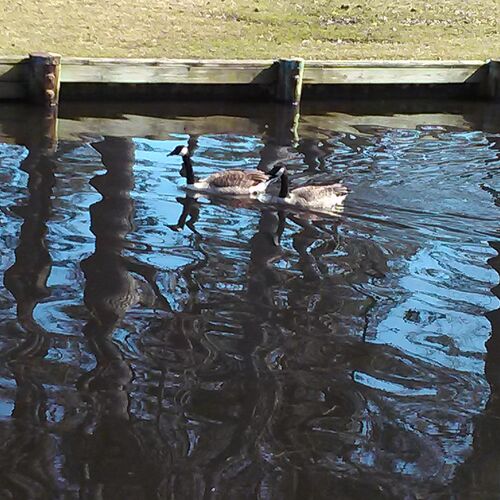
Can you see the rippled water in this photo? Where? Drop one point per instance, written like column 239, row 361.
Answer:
column 156, row 345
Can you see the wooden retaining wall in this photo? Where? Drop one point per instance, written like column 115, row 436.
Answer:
column 22, row 78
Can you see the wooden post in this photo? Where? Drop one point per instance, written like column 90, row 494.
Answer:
column 44, row 79
column 290, row 74
column 44, row 72
column 289, row 91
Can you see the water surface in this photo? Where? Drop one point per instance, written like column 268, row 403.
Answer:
column 159, row 345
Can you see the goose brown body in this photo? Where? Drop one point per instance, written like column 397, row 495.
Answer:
column 231, row 182
column 236, row 178
column 325, row 197
column 318, row 196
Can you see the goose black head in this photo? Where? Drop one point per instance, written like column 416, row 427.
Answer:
column 277, row 171
column 180, row 150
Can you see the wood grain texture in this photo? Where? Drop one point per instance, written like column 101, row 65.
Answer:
column 371, row 63
column 12, row 59
column 393, row 72
column 265, row 72
column 165, row 71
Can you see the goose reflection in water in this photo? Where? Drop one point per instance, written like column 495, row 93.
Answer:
column 317, row 235
column 191, row 206
column 189, row 215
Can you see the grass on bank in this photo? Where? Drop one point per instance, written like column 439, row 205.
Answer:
column 238, row 29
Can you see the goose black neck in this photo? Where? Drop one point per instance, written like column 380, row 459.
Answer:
column 284, row 186
column 186, row 159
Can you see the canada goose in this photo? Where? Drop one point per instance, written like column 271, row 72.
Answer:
column 234, row 181
column 324, row 197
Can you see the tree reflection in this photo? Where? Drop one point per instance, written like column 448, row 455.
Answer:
column 479, row 476
column 110, row 452
column 28, row 447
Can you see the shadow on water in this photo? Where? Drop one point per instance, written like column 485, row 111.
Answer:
column 229, row 349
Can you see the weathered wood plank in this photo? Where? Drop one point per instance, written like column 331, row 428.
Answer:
column 380, row 63
column 265, row 72
column 163, row 71
column 12, row 90
column 268, row 62
column 96, row 61
column 391, row 74
column 12, row 59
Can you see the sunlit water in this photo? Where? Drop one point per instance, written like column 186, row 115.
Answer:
column 155, row 345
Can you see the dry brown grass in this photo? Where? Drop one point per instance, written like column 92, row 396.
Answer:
column 316, row 29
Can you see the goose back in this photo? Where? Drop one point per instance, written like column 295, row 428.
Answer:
column 319, row 195
column 240, row 178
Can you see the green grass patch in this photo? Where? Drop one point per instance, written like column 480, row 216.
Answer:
column 235, row 29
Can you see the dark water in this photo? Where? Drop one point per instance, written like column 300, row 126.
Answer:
column 155, row 345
